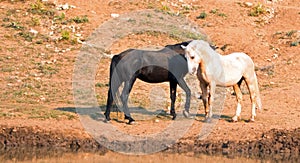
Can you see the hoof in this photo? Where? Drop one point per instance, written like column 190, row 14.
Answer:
column 174, row 116
column 200, row 97
column 235, row 118
column 186, row 114
column 106, row 121
column 107, row 118
column 207, row 120
column 131, row 122
column 251, row 120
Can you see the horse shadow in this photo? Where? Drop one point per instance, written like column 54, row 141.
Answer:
column 215, row 117
column 97, row 113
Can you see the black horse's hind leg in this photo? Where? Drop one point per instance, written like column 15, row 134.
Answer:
column 113, row 88
column 187, row 90
column 125, row 94
column 114, row 83
column 108, row 105
column 173, row 86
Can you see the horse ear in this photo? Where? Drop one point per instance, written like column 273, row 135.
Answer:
column 183, row 47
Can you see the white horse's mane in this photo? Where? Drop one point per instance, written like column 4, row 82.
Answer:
column 203, row 47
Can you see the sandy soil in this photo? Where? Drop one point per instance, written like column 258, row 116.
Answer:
column 265, row 38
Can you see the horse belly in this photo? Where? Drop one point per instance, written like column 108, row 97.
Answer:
column 230, row 76
column 154, row 76
column 227, row 81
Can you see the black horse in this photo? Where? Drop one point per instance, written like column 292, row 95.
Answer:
column 167, row 64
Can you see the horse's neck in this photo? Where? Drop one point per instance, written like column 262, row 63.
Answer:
column 211, row 64
column 211, row 56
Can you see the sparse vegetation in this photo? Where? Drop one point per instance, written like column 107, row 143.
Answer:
column 82, row 19
column 41, row 13
column 165, row 8
column 60, row 17
column 40, row 113
column 295, row 43
column 27, row 36
column 222, row 14
column 100, row 85
column 216, row 12
column 290, row 33
column 65, row 35
column 14, row 25
column 202, row 15
column 47, row 69
column 35, row 21
column 290, row 37
column 41, row 8
column 257, row 10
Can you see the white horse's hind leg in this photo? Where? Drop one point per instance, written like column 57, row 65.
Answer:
column 251, row 87
column 239, row 97
column 253, row 113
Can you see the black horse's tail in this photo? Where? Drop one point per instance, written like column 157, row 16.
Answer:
column 115, row 80
column 112, row 83
column 113, row 64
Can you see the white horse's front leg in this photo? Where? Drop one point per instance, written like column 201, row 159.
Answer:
column 238, row 111
column 212, row 89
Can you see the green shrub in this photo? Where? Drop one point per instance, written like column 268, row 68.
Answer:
column 202, row 15
column 257, row 10
column 65, row 35
column 78, row 19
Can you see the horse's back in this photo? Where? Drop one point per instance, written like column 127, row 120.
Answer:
column 239, row 58
column 234, row 67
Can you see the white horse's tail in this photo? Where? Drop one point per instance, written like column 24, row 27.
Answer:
column 258, row 100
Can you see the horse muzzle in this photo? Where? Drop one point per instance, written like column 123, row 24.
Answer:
column 193, row 71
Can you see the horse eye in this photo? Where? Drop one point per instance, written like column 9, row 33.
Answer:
column 192, row 57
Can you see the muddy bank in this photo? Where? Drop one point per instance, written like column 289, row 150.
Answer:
column 274, row 144
column 37, row 137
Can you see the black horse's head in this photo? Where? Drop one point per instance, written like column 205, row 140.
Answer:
column 178, row 48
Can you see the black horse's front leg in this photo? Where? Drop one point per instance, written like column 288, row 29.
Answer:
column 173, row 86
column 187, row 90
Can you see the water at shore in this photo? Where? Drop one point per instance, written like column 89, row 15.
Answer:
column 60, row 155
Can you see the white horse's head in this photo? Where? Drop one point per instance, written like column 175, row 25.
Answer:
column 192, row 52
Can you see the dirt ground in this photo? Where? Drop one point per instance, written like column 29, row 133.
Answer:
column 271, row 39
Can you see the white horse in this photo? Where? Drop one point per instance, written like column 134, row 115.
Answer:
column 214, row 70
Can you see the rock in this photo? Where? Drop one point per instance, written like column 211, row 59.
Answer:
column 34, row 32
column 210, row 24
column 65, row 7
column 42, row 98
column 78, row 35
column 114, row 15
column 248, row 4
